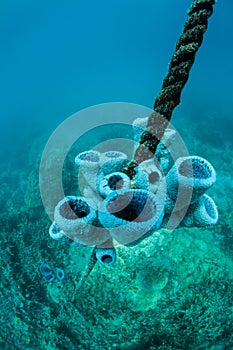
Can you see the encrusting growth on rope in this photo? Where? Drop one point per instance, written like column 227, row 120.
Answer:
column 184, row 56
column 177, row 76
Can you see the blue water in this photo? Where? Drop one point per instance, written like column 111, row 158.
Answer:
column 58, row 57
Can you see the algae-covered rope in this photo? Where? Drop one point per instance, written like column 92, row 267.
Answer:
column 177, row 76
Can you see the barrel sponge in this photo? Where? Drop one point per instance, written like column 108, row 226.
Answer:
column 130, row 214
column 188, row 179
column 77, row 219
column 111, row 182
column 106, row 256
column 201, row 213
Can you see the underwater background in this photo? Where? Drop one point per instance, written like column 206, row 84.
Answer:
column 56, row 59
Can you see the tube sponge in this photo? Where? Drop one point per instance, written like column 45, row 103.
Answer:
column 168, row 142
column 88, row 159
column 187, row 180
column 140, row 179
column 78, row 220
column 201, row 213
column 112, row 182
column 113, row 161
column 110, row 174
column 154, row 175
column 51, row 275
column 60, row 274
column 139, row 126
column 106, row 256
column 88, row 164
column 55, row 232
column 129, row 214
column 47, row 272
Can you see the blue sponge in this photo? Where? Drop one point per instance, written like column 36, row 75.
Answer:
column 55, row 232
column 201, row 213
column 111, row 182
column 106, row 256
column 47, row 272
column 130, row 214
column 187, row 180
column 51, row 275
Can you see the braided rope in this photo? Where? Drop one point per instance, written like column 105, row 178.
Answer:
column 175, row 80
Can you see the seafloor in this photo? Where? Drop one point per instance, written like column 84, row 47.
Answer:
column 174, row 292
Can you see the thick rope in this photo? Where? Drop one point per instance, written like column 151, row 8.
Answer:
column 177, row 76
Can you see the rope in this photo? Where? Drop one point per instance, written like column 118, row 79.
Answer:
column 86, row 272
column 177, row 76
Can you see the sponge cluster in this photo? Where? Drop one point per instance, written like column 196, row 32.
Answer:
column 114, row 208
